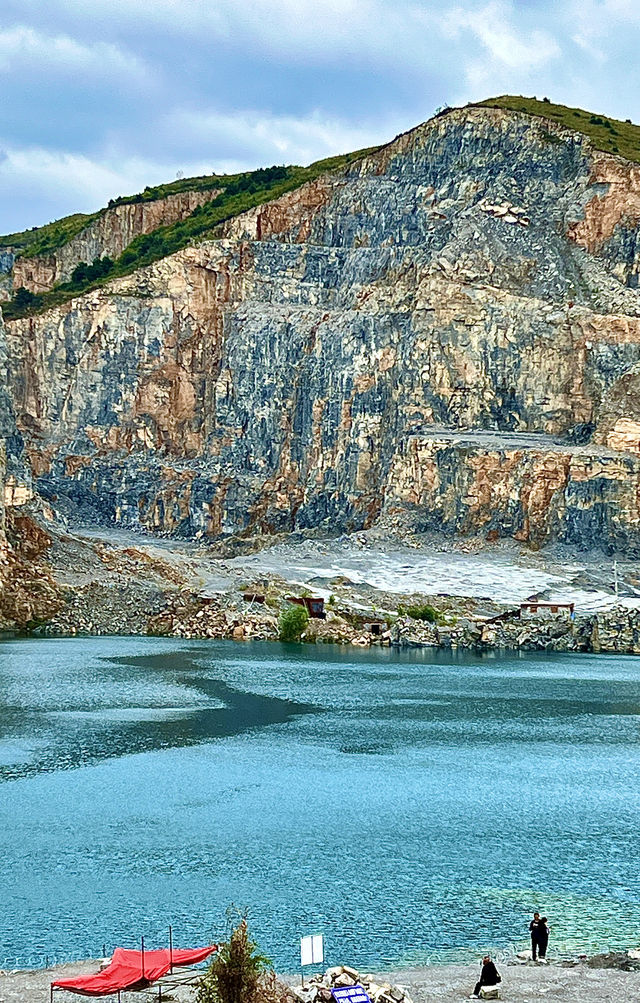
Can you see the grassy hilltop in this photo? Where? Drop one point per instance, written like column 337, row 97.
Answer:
column 607, row 134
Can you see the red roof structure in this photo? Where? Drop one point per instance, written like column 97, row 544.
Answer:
column 132, row 970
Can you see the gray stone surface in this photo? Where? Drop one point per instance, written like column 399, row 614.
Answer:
column 298, row 372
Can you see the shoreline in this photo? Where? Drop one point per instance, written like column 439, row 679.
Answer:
column 564, row 981
column 615, row 631
column 403, row 593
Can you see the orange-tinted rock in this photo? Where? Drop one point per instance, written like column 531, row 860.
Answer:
column 107, row 236
column 339, row 356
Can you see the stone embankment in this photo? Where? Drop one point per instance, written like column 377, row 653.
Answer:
column 579, row 981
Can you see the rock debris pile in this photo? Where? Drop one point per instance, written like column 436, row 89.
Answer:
column 318, row 988
column 105, row 608
column 506, row 212
column 188, row 615
column 608, row 630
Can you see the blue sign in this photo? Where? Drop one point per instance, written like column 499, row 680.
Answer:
column 350, row 994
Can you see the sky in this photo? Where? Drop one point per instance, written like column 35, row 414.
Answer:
column 102, row 97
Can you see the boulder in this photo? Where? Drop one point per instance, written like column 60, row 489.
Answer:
column 333, row 973
column 344, row 980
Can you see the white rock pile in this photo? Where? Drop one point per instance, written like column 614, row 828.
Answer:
column 507, row 212
column 317, row 989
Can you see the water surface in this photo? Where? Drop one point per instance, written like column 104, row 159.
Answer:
column 410, row 806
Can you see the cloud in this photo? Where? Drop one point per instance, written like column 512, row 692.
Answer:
column 493, row 26
column 106, row 96
column 313, row 25
column 398, row 33
column 257, row 137
column 21, row 45
column 38, row 185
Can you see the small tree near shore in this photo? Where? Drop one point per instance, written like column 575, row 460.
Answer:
column 238, row 972
column 293, row 622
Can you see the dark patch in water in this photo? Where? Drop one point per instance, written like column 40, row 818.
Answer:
column 72, row 744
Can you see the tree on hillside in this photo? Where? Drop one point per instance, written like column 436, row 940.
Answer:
column 24, row 298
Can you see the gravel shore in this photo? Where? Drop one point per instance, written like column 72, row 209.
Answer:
column 521, row 984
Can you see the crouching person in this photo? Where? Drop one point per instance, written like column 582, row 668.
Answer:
column 489, row 977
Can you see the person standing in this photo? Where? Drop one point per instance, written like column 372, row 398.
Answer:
column 543, row 938
column 489, row 976
column 534, row 930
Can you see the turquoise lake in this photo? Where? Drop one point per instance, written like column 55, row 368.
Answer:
column 412, row 807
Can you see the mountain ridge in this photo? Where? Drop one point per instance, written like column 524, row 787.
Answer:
column 37, row 271
column 442, row 336
column 156, row 242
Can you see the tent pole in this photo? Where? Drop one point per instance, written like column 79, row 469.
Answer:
column 142, row 955
column 170, row 951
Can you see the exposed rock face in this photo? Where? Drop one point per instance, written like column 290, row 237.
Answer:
column 108, row 235
column 7, row 259
column 14, row 476
column 516, row 486
column 341, row 354
column 27, row 590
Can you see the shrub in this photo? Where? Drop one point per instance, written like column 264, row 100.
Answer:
column 84, row 273
column 24, row 299
column 238, row 972
column 293, row 621
column 425, row 612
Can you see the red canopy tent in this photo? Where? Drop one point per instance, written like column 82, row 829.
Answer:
column 132, row 970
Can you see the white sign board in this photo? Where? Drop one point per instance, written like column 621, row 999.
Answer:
column 311, row 951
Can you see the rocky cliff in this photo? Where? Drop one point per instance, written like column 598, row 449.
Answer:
column 28, row 592
column 445, row 334
column 106, row 236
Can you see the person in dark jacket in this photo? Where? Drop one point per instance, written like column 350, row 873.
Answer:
column 543, row 938
column 489, row 976
column 534, row 930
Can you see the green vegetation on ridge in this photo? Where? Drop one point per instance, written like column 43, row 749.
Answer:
column 607, row 134
column 202, row 183
column 241, row 192
column 48, row 238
